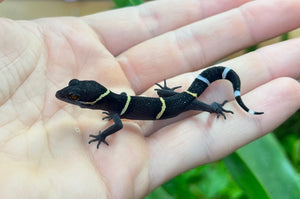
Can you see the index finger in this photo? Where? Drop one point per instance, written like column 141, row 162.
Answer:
column 123, row 28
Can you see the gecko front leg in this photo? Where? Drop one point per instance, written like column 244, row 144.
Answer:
column 110, row 130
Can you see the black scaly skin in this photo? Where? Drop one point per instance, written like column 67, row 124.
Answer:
column 92, row 95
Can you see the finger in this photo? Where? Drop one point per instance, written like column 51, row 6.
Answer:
column 123, row 28
column 256, row 68
column 202, row 43
column 194, row 142
column 268, row 63
column 259, row 67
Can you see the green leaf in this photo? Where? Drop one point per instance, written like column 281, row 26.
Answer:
column 136, row 2
column 208, row 181
column 159, row 193
column 262, row 170
column 252, row 48
column 285, row 37
column 244, row 177
column 288, row 135
column 124, row 3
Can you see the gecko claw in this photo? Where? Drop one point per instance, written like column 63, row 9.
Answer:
column 108, row 117
column 98, row 138
column 218, row 108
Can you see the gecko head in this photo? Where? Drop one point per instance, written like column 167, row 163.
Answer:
column 82, row 93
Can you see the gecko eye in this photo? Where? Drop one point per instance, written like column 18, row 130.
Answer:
column 74, row 97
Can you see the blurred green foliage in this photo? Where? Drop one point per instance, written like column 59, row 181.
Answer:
column 124, row 3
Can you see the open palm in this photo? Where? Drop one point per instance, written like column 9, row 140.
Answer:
column 43, row 141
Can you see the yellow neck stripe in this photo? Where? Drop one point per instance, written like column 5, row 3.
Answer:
column 163, row 108
column 126, row 105
column 98, row 99
column 192, row 94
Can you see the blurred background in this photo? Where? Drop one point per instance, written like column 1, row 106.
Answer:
column 31, row 9
column 267, row 168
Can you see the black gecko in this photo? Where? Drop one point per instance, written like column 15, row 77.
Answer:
column 92, row 95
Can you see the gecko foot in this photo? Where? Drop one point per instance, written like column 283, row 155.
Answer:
column 98, row 138
column 165, row 91
column 107, row 117
column 218, row 108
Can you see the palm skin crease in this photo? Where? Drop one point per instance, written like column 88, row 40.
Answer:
column 44, row 142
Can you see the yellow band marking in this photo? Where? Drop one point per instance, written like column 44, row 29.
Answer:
column 192, row 94
column 126, row 105
column 163, row 108
column 98, row 99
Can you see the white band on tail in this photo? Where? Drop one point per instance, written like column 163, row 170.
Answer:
column 252, row 112
column 201, row 78
column 237, row 93
column 224, row 74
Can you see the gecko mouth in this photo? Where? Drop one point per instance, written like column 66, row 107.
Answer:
column 60, row 94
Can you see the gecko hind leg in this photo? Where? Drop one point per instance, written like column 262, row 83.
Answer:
column 218, row 108
column 165, row 91
column 211, row 108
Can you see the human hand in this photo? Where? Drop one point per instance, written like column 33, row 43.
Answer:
column 43, row 141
